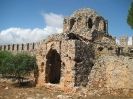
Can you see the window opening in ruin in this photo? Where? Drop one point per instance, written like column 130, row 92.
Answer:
column 118, row 51
column 33, row 46
column 53, row 67
column 22, row 46
column 97, row 21
column 100, row 48
column 73, row 36
column 104, row 26
column 8, row 47
column 4, row 47
column 13, row 47
column 28, row 46
column 131, row 51
column 17, row 46
column 72, row 21
column 90, row 23
column 42, row 66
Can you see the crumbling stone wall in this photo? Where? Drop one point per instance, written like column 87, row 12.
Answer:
column 68, row 63
column 112, row 75
column 84, row 19
column 71, row 66
column 123, row 41
column 66, row 60
column 83, row 56
column 86, row 24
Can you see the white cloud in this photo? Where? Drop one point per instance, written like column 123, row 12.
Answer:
column 130, row 41
column 18, row 35
column 53, row 20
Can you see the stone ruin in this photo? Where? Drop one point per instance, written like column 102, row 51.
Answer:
column 123, row 41
column 85, row 58
column 29, row 48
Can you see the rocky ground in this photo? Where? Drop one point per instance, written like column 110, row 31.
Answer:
column 11, row 90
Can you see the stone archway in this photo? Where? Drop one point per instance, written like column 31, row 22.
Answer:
column 53, row 67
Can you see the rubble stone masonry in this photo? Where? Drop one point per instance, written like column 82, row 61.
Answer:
column 83, row 57
column 123, row 41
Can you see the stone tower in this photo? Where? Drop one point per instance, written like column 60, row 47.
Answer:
column 86, row 23
column 123, row 41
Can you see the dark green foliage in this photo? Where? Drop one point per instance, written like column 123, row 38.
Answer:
column 6, row 62
column 18, row 65
column 23, row 64
column 130, row 16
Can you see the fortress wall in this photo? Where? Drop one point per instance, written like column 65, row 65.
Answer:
column 29, row 48
column 123, row 41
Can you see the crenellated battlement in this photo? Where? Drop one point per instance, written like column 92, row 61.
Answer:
column 30, row 47
column 124, row 41
column 20, row 48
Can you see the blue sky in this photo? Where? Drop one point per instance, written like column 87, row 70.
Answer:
column 24, row 21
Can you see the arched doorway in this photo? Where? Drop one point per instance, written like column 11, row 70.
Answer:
column 53, row 66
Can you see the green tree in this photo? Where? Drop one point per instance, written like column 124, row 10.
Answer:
column 130, row 16
column 23, row 64
column 6, row 63
column 18, row 65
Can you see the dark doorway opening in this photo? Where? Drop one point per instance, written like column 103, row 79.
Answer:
column 53, row 67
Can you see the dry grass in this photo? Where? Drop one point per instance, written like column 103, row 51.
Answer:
column 26, row 91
